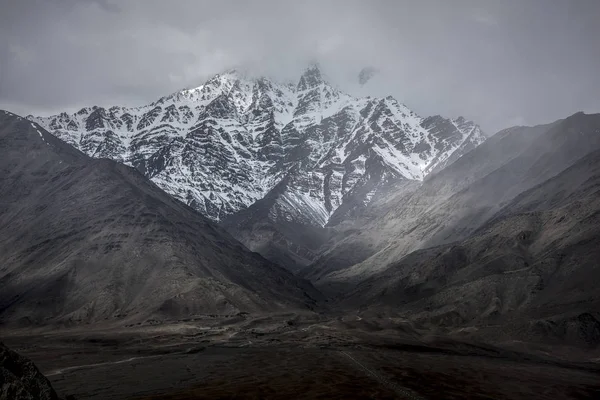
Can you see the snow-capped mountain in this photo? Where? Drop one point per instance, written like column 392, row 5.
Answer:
column 224, row 145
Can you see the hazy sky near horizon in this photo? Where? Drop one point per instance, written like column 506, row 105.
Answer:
column 499, row 63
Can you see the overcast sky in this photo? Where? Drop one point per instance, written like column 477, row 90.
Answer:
column 498, row 62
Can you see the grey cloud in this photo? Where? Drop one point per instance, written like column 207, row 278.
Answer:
column 495, row 62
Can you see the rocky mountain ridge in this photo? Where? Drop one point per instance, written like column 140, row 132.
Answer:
column 224, row 145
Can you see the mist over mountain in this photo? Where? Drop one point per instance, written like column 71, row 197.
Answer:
column 366, row 74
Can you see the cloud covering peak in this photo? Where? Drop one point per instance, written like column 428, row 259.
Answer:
column 498, row 63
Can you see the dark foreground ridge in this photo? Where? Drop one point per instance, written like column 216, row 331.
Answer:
column 21, row 380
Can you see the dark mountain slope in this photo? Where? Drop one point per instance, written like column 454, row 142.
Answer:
column 87, row 240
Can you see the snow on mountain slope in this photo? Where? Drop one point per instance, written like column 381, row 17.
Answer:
column 224, row 145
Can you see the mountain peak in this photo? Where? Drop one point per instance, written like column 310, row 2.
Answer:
column 223, row 145
column 311, row 77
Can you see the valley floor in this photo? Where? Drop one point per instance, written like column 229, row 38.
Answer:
column 293, row 356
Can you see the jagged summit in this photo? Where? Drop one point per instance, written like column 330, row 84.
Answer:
column 223, row 145
column 311, row 78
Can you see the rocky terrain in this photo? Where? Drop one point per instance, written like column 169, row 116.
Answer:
column 308, row 147
column 21, row 380
column 86, row 240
